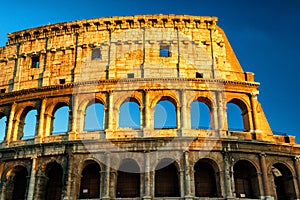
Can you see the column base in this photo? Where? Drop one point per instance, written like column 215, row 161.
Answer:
column 188, row 197
column 147, row 197
column 105, row 198
column 266, row 198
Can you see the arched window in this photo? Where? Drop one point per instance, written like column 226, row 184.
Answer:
column 128, row 180
column 234, row 117
column 205, row 180
column 30, row 122
column 90, row 181
column 3, row 120
column 283, row 180
column 94, row 117
column 16, row 187
column 54, row 173
column 246, row 180
column 61, row 120
column 200, row 115
column 129, row 115
column 166, row 179
column 165, row 115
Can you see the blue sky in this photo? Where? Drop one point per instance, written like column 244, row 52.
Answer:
column 263, row 33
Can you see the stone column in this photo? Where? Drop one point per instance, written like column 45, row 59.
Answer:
column 147, row 114
column 40, row 133
column 74, row 125
column 106, row 179
column 228, row 176
column 110, row 116
column 32, row 182
column 187, row 174
column 297, row 169
column 266, row 183
column 185, row 125
column 110, row 110
column 11, row 123
column 147, row 168
column 221, row 114
column 256, row 124
column 181, row 180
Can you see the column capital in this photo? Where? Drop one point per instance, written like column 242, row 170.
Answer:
column 297, row 158
column 262, row 155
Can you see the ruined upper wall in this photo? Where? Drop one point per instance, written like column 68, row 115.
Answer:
column 128, row 45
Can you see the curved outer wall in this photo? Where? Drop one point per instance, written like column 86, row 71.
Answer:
column 123, row 59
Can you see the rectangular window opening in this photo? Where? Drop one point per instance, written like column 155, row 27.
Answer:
column 199, row 75
column 96, row 54
column 62, row 81
column 3, row 90
column 164, row 51
column 130, row 75
column 35, row 62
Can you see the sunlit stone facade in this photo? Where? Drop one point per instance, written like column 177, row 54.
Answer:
column 139, row 63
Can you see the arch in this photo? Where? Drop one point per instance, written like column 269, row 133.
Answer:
column 200, row 114
column 283, row 182
column 165, row 113
column 205, row 179
column 90, row 180
column 129, row 114
column 128, row 179
column 16, row 185
column 3, row 126
column 167, row 179
column 246, row 179
column 52, row 185
column 237, row 115
column 94, row 116
column 30, row 124
column 60, row 121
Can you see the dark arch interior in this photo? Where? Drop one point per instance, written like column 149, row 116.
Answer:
column 166, row 180
column 246, row 180
column 54, row 173
column 128, row 180
column 19, row 183
column 205, row 180
column 90, row 181
column 283, row 180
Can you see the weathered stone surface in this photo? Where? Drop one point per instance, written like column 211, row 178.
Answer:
column 57, row 65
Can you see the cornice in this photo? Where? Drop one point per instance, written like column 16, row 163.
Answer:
column 112, row 24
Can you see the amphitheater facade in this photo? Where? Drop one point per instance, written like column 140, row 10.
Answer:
column 145, row 77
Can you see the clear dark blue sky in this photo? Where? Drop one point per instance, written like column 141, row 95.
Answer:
column 265, row 35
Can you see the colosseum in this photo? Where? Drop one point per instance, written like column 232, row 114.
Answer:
column 109, row 108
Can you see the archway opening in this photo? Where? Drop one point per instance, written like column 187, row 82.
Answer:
column 165, row 115
column 18, row 183
column 94, row 117
column 54, row 173
column 61, row 119
column 129, row 115
column 90, row 181
column 246, row 180
column 235, row 117
column 30, row 122
column 166, row 179
column 128, row 180
column 283, row 180
column 205, row 180
column 3, row 122
column 200, row 115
